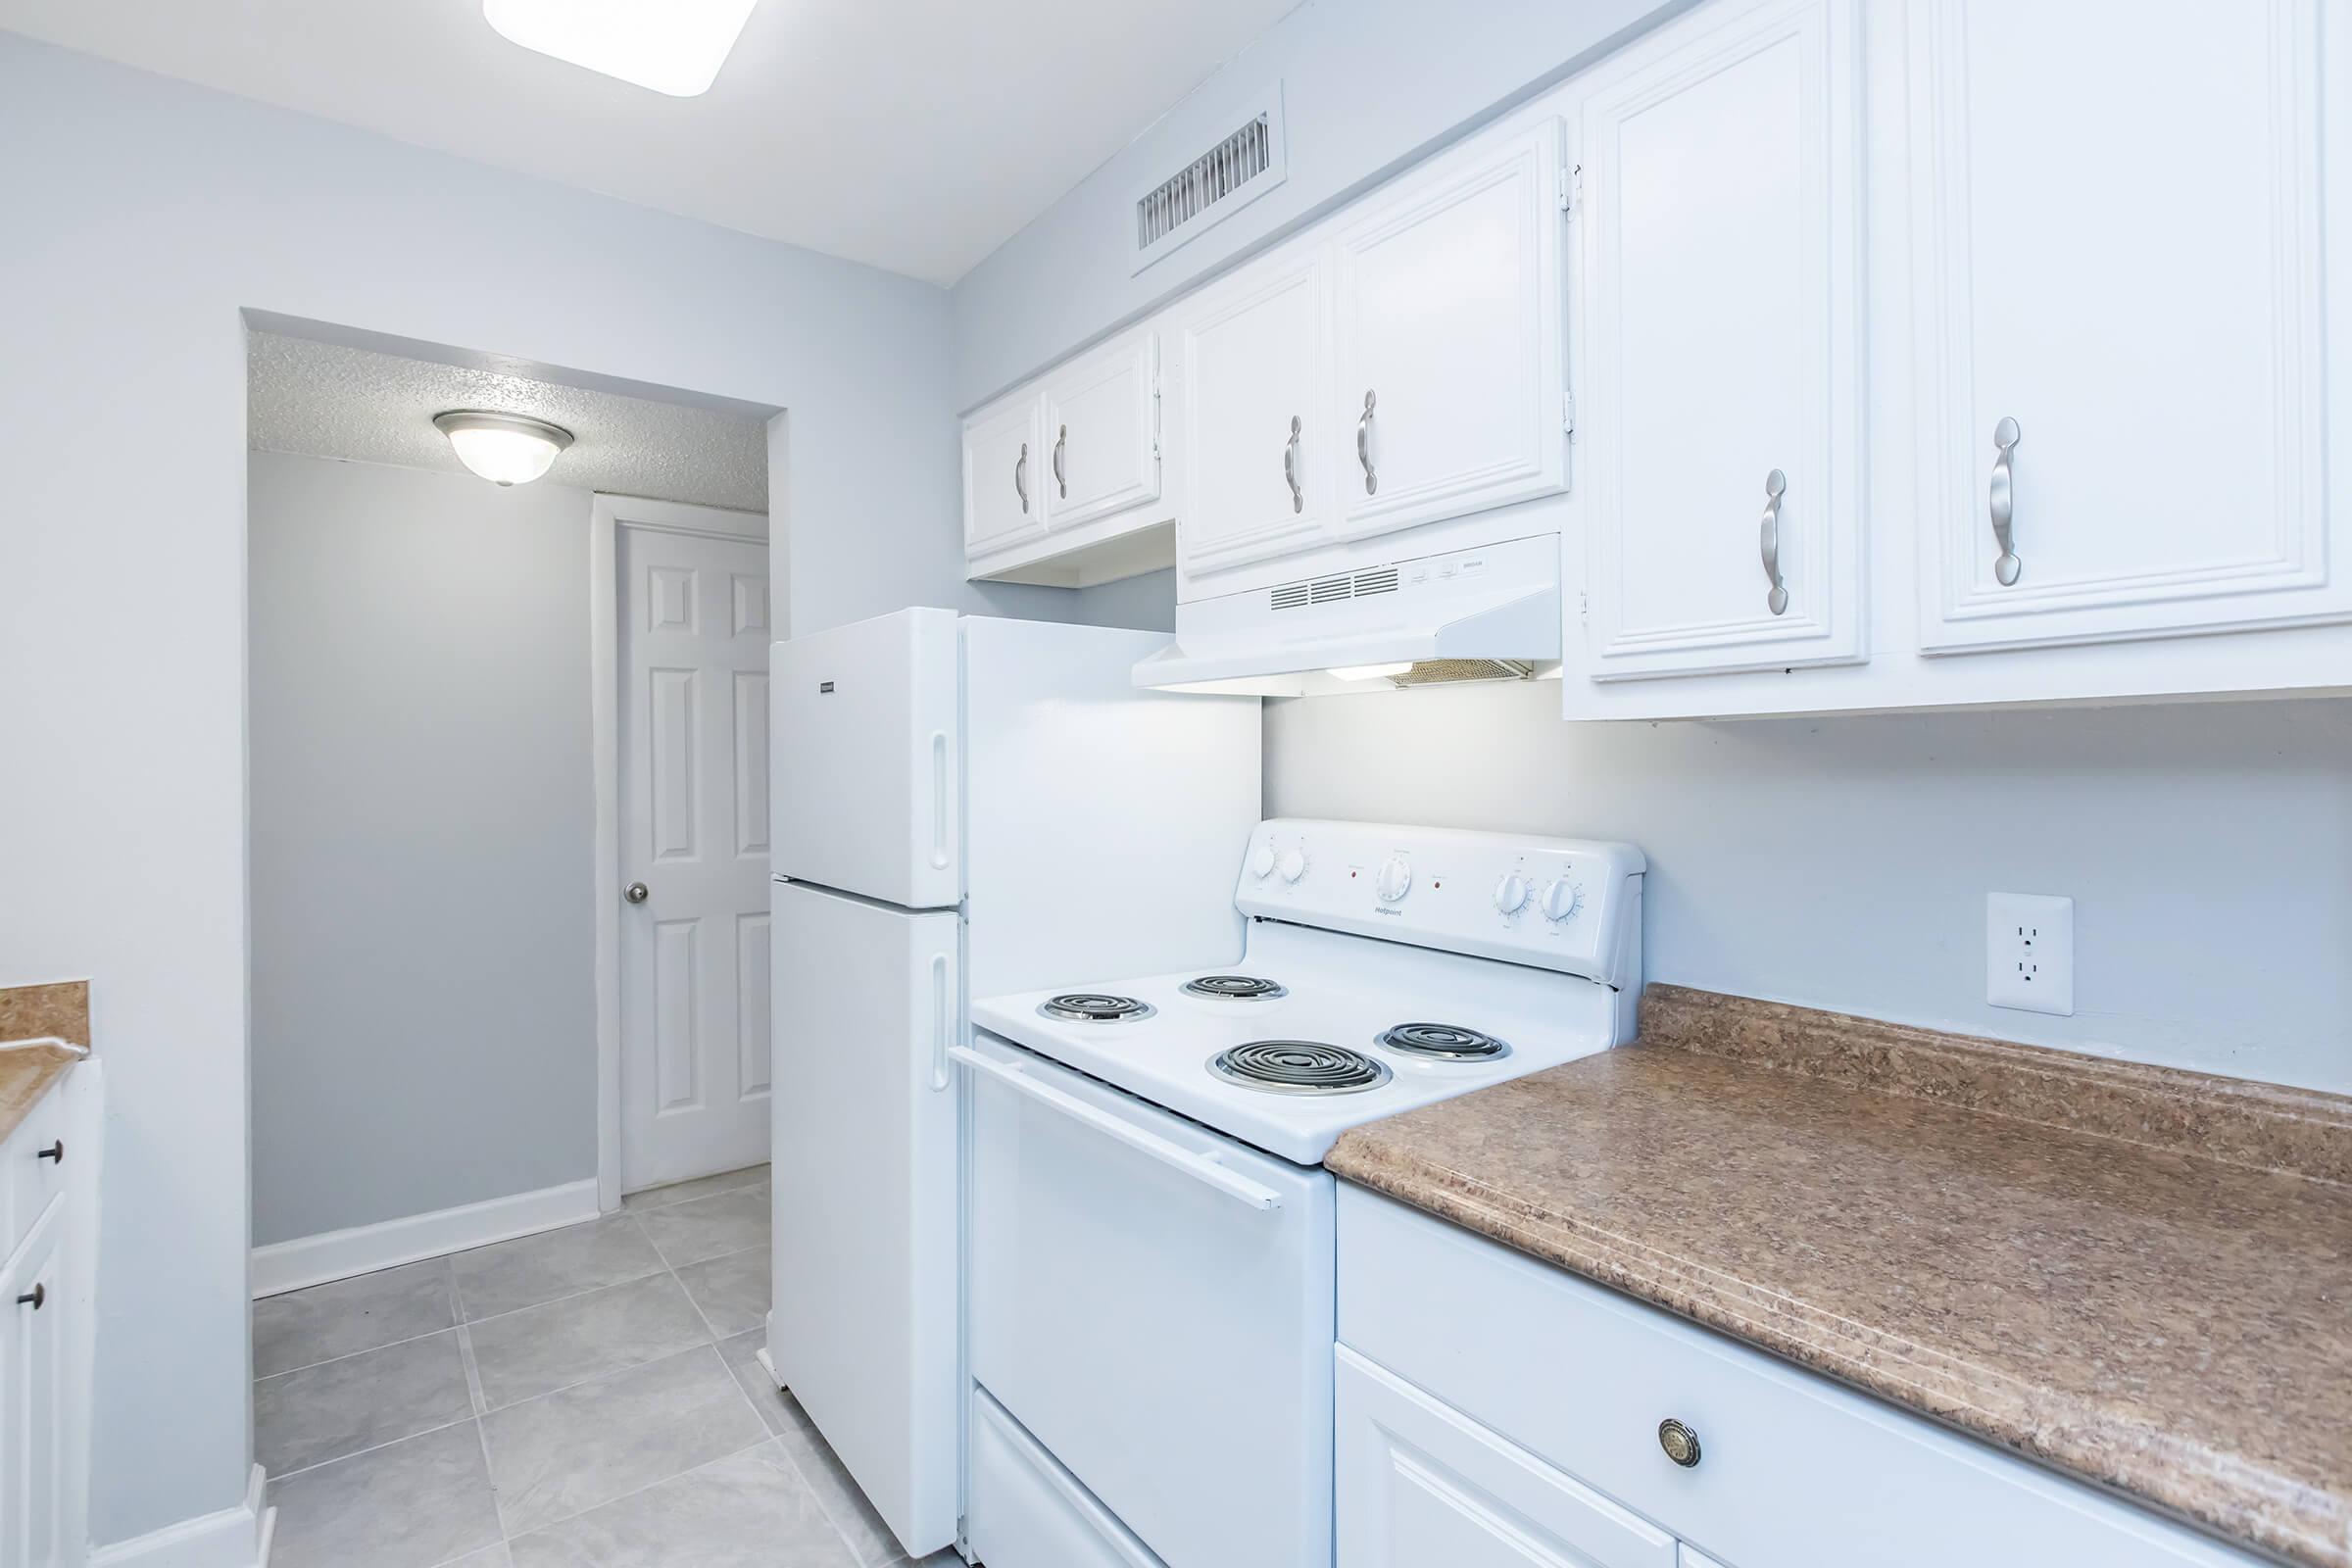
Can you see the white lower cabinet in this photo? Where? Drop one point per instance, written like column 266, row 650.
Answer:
column 1528, row 1431
column 47, row 1171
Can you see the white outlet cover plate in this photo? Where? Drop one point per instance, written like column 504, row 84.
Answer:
column 2030, row 952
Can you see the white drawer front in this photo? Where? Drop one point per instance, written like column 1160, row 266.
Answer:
column 1794, row 1471
column 1423, row 1486
column 34, row 1178
column 1028, row 1512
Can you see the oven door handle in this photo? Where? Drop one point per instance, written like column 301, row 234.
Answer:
column 1202, row 1167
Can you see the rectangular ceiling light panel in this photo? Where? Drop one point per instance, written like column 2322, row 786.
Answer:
column 672, row 46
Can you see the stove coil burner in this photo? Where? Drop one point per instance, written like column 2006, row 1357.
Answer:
column 1091, row 1007
column 1298, row 1067
column 1236, row 987
column 1443, row 1042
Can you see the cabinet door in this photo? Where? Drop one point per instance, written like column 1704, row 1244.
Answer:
column 1449, row 396
column 2123, row 357
column 1003, row 477
column 1102, row 433
column 33, row 1366
column 1419, row 1484
column 1252, row 362
column 1721, row 345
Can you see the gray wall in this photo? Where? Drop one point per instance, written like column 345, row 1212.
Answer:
column 423, row 827
column 1843, row 862
column 1368, row 85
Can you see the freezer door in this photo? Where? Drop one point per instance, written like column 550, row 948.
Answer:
column 862, row 1326
column 867, row 763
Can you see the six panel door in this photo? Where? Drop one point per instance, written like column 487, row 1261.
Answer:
column 1003, row 461
column 1102, row 433
column 1252, row 358
column 2123, row 397
column 1449, row 396
column 1721, row 345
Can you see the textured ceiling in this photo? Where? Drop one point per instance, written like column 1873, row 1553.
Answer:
column 325, row 400
column 916, row 136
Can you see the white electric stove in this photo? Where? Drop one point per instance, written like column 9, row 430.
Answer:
column 1149, row 1269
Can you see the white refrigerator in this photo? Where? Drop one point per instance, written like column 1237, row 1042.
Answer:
column 961, row 806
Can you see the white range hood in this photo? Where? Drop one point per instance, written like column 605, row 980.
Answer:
column 1492, row 612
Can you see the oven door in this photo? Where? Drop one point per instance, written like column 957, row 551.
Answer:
column 1152, row 1303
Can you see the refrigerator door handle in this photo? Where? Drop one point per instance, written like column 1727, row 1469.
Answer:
column 940, row 1044
column 1202, row 1167
column 938, row 799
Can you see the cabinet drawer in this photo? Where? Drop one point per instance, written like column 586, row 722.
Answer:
column 1025, row 1508
column 1794, row 1471
column 31, row 1180
column 1421, row 1484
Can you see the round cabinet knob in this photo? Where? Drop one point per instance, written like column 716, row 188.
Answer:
column 1261, row 860
column 1395, row 881
column 1680, row 1442
column 1292, row 864
column 1561, row 898
column 1510, row 894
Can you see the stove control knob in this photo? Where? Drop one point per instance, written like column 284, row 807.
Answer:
column 1561, row 898
column 1293, row 863
column 1395, row 881
column 1261, row 861
column 1510, row 894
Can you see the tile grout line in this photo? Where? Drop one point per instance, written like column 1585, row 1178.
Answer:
column 276, row 1476
column 765, row 1436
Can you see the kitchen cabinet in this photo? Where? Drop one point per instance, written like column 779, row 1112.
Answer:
column 1542, row 1434
column 1448, row 379
column 2122, row 394
column 1062, row 477
column 1251, row 366
column 1002, row 461
column 47, row 1207
column 1720, row 333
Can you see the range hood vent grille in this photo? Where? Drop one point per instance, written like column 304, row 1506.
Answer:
column 1453, row 671
column 1330, row 590
column 1236, row 172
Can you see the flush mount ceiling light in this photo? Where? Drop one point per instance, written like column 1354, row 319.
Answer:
column 672, row 46
column 502, row 448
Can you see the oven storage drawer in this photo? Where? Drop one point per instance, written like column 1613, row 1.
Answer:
column 1794, row 1471
column 1152, row 1302
column 1029, row 1512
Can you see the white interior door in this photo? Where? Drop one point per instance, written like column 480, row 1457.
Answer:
column 694, row 624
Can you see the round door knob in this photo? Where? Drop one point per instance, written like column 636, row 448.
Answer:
column 1510, row 894
column 1292, row 864
column 1395, row 881
column 1261, row 860
column 1561, row 898
column 637, row 892
column 1680, row 1442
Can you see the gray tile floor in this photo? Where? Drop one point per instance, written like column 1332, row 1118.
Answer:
column 585, row 1397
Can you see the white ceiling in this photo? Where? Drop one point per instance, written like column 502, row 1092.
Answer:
column 327, row 400
column 916, row 136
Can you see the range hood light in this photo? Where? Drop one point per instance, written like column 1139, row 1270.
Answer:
column 1368, row 671
column 505, row 449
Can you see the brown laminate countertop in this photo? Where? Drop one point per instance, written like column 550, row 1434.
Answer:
column 2139, row 1276
column 29, row 1072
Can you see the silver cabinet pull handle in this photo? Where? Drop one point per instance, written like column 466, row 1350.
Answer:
column 1776, row 485
column 1289, row 467
column 2006, row 567
column 1363, row 447
column 1060, row 441
column 1020, row 477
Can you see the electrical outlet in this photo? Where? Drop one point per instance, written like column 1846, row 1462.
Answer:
column 2030, row 952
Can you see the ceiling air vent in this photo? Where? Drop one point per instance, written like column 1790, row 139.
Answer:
column 1216, row 183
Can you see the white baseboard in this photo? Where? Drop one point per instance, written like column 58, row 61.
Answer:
column 339, row 1255
column 233, row 1537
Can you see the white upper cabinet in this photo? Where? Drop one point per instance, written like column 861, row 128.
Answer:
column 1450, row 393
column 1719, row 345
column 1251, row 363
column 2124, row 358
column 1101, row 432
column 1004, row 464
